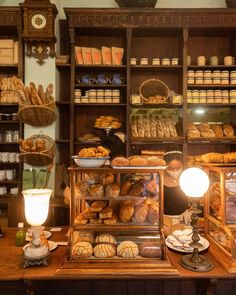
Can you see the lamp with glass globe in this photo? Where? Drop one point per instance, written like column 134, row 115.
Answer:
column 36, row 212
column 194, row 182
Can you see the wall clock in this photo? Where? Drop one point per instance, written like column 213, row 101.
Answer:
column 39, row 28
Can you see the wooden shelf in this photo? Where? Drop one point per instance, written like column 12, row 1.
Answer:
column 10, row 181
column 154, row 106
column 9, row 143
column 148, row 141
column 60, row 141
column 211, row 105
column 101, row 104
column 213, row 140
column 100, row 86
column 211, row 86
column 62, row 103
column 59, row 66
column 100, row 66
column 160, row 67
column 218, row 67
column 9, row 105
column 86, row 143
column 10, row 163
column 9, row 122
column 9, row 66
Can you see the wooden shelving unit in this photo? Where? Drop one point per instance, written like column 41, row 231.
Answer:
column 11, row 28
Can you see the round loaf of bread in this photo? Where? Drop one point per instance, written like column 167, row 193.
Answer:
column 155, row 161
column 105, row 238
column 104, row 250
column 150, row 250
column 120, row 161
column 82, row 250
column 138, row 161
column 126, row 212
column 83, row 236
column 127, row 249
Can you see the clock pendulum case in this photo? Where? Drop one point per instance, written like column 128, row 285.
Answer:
column 39, row 28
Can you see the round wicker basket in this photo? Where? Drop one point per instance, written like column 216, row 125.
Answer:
column 37, row 115
column 43, row 158
column 152, row 88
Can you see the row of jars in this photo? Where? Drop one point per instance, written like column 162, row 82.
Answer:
column 166, row 61
column 211, row 77
column 211, row 96
column 97, row 96
column 9, row 136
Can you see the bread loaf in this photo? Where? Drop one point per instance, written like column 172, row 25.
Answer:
column 228, row 130
column 104, row 250
column 110, row 221
column 106, row 178
column 127, row 249
column 126, row 212
column 217, row 129
column 153, row 213
column 82, row 250
column 112, row 190
column 80, row 219
column 155, row 161
column 134, row 128
column 150, row 250
column 120, row 161
column 138, row 161
column 105, row 238
column 152, row 125
column 137, row 189
column 140, row 213
column 96, row 190
column 83, row 236
column 87, row 213
column 125, row 187
column 207, row 133
column 98, row 206
column 106, row 213
column 140, row 126
column 146, row 126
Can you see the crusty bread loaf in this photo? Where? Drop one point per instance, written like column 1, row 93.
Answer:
column 110, row 221
column 112, row 190
column 207, row 133
column 153, row 213
column 106, row 213
column 105, row 238
column 82, row 250
column 127, row 249
column 80, row 219
column 155, row 161
column 150, row 250
column 104, row 250
column 120, row 161
column 228, row 130
column 106, row 178
column 98, row 206
column 125, row 187
column 138, row 161
column 126, row 212
column 83, row 236
column 140, row 213
column 217, row 129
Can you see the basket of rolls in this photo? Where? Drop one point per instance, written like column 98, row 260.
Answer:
column 92, row 157
column 36, row 106
column 154, row 91
column 37, row 150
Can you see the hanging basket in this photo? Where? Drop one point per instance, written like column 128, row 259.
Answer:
column 154, row 91
column 42, row 158
column 37, row 115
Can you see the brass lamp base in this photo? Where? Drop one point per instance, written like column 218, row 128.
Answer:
column 203, row 264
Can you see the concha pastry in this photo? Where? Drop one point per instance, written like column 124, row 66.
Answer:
column 127, row 249
column 82, row 249
column 105, row 238
column 83, row 236
column 104, row 250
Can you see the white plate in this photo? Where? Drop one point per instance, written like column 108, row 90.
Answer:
column 140, row 167
column 203, row 241
column 47, row 234
column 91, row 162
column 52, row 245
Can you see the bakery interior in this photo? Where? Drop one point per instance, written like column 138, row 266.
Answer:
column 117, row 147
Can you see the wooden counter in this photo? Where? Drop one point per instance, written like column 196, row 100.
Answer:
column 132, row 281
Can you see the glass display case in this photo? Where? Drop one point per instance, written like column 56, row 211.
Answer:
column 116, row 219
column 220, row 214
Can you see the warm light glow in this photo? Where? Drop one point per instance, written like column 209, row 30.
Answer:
column 199, row 111
column 194, row 182
column 36, row 205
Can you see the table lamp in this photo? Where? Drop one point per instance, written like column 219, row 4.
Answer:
column 194, row 182
column 36, row 212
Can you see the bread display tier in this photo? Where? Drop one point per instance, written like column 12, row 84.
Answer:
column 117, row 219
column 220, row 215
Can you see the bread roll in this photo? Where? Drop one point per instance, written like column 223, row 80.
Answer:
column 228, row 130
column 125, row 187
column 110, row 221
column 87, row 213
column 194, row 133
column 83, row 236
column 96, row 190
column 120, row 161
column 155, row 161
column 207, row 133
column 203, row 126
column 80, row 219
column 152, row 187
column 126, row 212
column 127, row 249
column 150, row 250
column 138, row 161
column 106, row 213
column 153, row 213
column 112, row 190
column 82, row 250
column 137, row 189
column 95, row 221
column 104, row 251
column 97, row 206
column 140, row 213
column 217, row 129
column 106, row 178
column 105, row 238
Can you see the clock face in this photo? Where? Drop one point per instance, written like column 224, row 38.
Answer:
column 38, row 21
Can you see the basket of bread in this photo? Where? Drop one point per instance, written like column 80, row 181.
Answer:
column 36, row 106
column 92, row 157
column 37, row 150
column 154, row 91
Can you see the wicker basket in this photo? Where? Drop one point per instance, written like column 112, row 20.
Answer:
column 43, row 158
column 152, row 88
column 37, row 115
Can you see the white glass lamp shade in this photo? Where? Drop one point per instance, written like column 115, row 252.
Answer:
column 36, row 205
column 194, row 182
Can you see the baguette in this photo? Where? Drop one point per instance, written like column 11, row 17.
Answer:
column 36, row 100
column 48, row 96
column 41, row 93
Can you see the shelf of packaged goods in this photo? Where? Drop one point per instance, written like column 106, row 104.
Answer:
column 60, row 141
column 101, row 66
column 154, row 106
column 210, row 67
column 9, row 182
column 117, row 227
column 161, row 140
column 100, row 85
column 211, row 86
column 100, row 104
column 211, row 105
column 62, row 103
column 156, row 67
column 213, row 140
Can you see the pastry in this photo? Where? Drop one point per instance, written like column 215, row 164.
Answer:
column 80, row 219
column 207, row 133
column 83, row 236
column 229, row 157
column 97, row 206
column 152, row 187
column 95, row 221
column 120, row 161
column 203, row 126
column 228, row 130
column 153, row 213
column 125, row 187
column 137, row 189
column 155, row 161
column 152, row 125
column 96, row 190
column 150, row 250
column 94, row 152
column 217, row 129
column 140, row 213
column 194, row 133
column 105, row 238
column 133, row 125
column 83, row 186
column 106, row 178
column 126, row 212
column 110, row 221
column 87, row 213
column 112, row 190
column 82, row 250
column 127, row 249
column 146, row 126
column 104, row 250
column 106, row 213
column 212, row 158
column 138, row 161
column 140, row 126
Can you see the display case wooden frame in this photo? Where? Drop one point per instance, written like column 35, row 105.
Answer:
column 225, row 255
column 146, row 265
column 11, row 28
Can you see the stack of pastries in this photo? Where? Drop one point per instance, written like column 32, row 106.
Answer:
column 104, row 245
